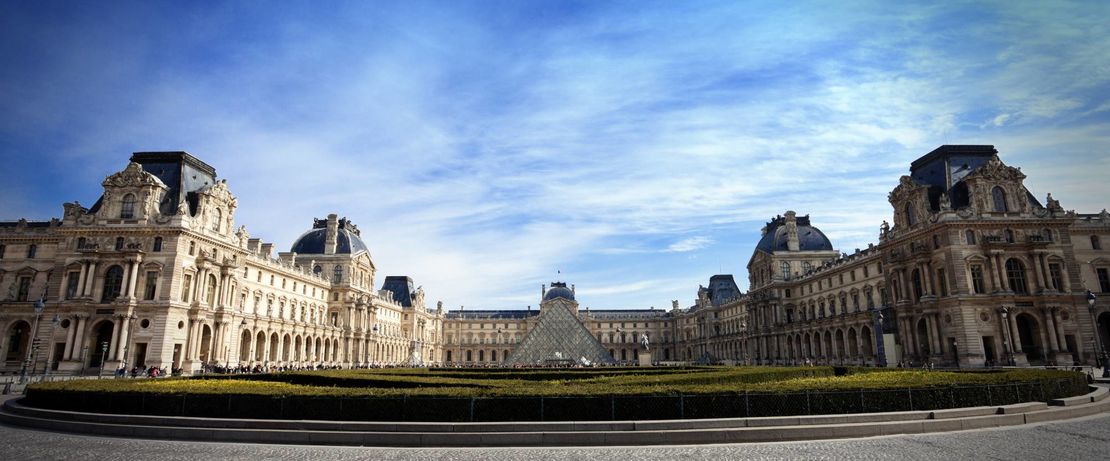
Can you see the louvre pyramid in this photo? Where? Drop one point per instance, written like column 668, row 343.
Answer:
column 558, row 338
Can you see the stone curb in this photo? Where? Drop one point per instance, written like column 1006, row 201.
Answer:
column 736, row 430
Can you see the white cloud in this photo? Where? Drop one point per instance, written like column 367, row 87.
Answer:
column 689, row 244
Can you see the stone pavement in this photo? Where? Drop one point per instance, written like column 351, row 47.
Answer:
column 1077, row 439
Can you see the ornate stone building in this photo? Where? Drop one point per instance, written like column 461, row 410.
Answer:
column 974, row 271
column 155, row 273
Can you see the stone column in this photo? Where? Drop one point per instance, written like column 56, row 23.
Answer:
column 1001, row 268
column 134, row 280
column 78, row 339
column 81, row 280
column 934, row 331
column 90, row 279
column 1061, row 341
column 1040, row 285
column 902, row 287
column 71, row 335
column 1050, row 328
column 926, row 280
column 1043, row 258
column 115, row 338
column 1015, row 339
column 121, row 349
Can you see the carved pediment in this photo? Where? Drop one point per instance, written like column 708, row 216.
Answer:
column 995, row 170
column 906, row 189
column 133, row 176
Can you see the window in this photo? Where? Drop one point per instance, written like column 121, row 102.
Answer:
column 1015, row 274
column 866, row 271
column 192, row 248
column 2, row 249
column 24, row 289
column 119, row 243
column 1104, row 280
column 917, row 286
column 151, row 285
column 31, row 251
column 969, row 235
column 337, row 274
column 1056, row 276
column 211, row 290
column 910, row 218
column 977, row 279
column 217, row 217
column 80, row 242
column 806, row 267
column 785, row 270
column 1096, row 244
column 113, row 283
column 127, row 209
column 1046, row 234
column 999, row 197
column 71, row 284
column 855, row 301
column 317, row 269
column 157, row 244
column 1008, row 235
column 936, row 242
column 942, row 280
column 870, row 300
column 185, row 285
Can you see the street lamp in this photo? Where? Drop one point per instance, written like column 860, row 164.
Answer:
column 39, row 307
column 1100, row 355
column 103, row 357
column 374, row 330
column 956, row 351
column 1005, row 311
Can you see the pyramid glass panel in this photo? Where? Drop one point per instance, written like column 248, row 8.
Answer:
column 559, row 338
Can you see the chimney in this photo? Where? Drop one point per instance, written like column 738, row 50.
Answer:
column 332, row 234
column 791, row 231
column 267, row 250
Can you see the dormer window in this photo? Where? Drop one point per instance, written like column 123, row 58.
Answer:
column 999, row 197
column 910, row 218
column 217, row 217
column 127, row 208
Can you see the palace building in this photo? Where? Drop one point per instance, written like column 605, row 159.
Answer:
column 975, row 271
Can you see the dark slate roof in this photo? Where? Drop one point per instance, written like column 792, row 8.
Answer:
column 944, row 169
column 809, row 238
column 312, row 242
column 30, row 224
column 722, row 288
column 558, row 290
column 492, row 314
column 401, row 287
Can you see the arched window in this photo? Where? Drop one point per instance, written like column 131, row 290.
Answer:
column 999, row 197
column 785, row 270
column 910, row 218
column 1015, row 274
column 1096, row 244
column 337, row 274
column 211, row 290
column 1008, row 235
column 157, row 244
column 113, row 283
column 127, row 208
column 317, row 270
column 969, row 235
column 217, row 218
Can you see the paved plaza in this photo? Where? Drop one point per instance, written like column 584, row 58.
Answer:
column 1077, row 439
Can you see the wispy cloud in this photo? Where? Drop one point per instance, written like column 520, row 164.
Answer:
column 636, row 147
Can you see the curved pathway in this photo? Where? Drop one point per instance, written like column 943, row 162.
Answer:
column 1082, row 438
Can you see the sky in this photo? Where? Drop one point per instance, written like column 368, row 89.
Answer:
column 484, row 148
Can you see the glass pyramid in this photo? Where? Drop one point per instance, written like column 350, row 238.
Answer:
column 558, row 338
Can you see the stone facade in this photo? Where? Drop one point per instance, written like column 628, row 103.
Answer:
column 975, row 271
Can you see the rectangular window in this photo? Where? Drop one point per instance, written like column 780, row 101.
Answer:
column 151, row 285
column 24, row 289
column 3, row 248
column 31, row 250
column 1104, row 280
column 1056, row 276
column 185, row 285
column 942, row 279
column 866, row 271
column 977, row 279
column 71, row 284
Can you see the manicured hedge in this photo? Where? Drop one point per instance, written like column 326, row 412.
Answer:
column 713, row 393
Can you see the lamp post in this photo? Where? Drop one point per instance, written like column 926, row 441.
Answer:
column 39, row 307
column 956, row 352
column 880, row 345
column 1005, row 312
column 103, row 357
column 374, row 332
column 1100, row 354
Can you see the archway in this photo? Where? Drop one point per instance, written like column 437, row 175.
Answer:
column 273, row 347
column 18, row 340
column 259, row 347
column 840, row 352
column 868, row 349
column 245, row 346
column 102, row 343
column 923, row 338
column 205, row 343
column 853, row 344
column 1029, row 336
column 286, row 345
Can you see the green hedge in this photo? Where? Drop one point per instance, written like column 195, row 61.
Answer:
column 712, row 393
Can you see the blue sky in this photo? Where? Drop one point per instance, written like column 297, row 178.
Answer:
column 638, row 147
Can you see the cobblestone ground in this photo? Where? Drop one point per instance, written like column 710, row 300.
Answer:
column 1078, row 439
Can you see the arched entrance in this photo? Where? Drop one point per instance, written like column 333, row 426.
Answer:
column 18, row 340
column 1029, row 336
column 102, row 343
column 205, row 343
column 245, row 346
column 923, row 338
column 1104, row 331
column 868, row 349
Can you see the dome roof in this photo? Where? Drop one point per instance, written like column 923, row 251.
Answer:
column 809, row 238
column 558, row 290
column 312, row 242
